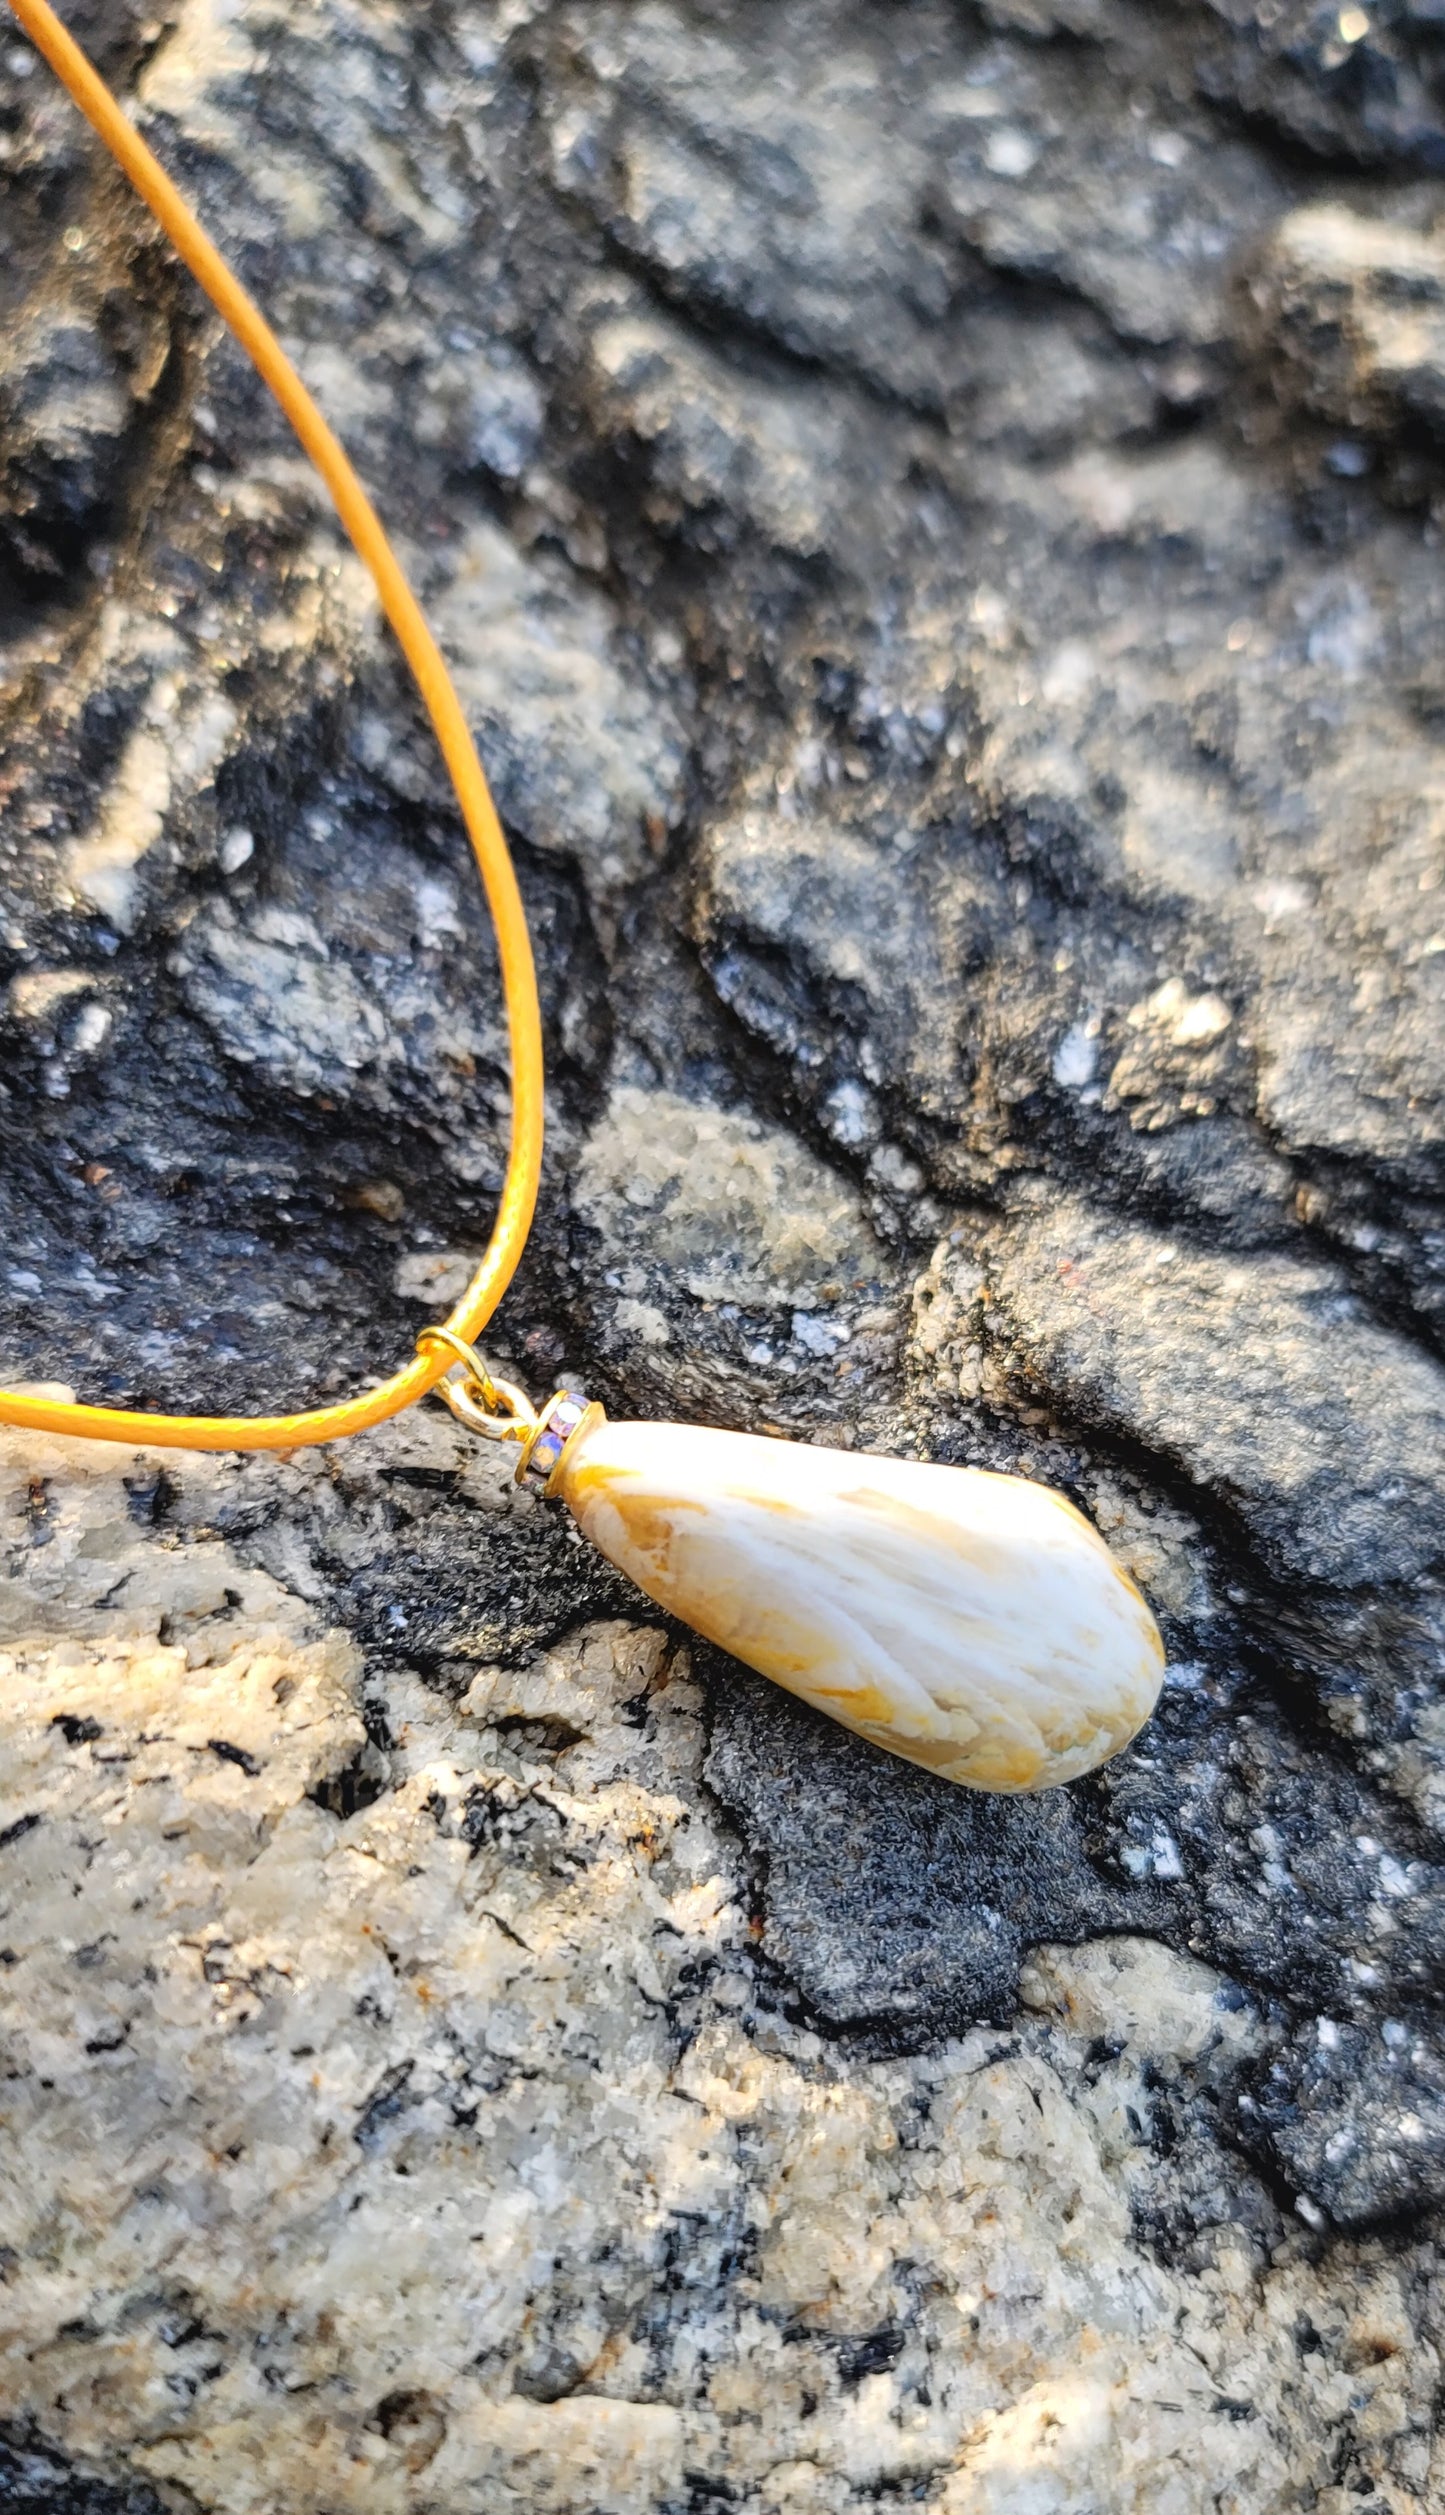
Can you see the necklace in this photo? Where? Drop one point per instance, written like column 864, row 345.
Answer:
column 972, row 1623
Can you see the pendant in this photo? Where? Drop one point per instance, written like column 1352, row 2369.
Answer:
column 972, row 1623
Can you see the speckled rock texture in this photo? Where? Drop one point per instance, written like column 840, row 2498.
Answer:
column 936, row 512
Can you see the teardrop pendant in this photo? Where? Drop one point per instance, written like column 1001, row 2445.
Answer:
column 972, row 1623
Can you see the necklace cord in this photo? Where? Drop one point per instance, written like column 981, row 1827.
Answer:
column 519, row 980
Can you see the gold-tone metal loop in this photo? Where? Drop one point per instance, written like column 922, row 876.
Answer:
column 467, row 1355
column 497, row 1409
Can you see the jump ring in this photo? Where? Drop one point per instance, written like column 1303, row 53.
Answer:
column 504, row 1413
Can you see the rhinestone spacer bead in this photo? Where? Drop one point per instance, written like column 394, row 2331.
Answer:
column 556, row 1423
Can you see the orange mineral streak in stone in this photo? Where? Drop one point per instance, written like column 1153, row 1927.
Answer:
column 864, row 1708
column 648, row 1538
column 1008, row 1772
column 928, row 1529
column 595, row 1493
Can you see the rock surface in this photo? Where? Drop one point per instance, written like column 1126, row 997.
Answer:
column 936, row 514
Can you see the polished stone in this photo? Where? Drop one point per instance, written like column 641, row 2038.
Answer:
column 973, row 1623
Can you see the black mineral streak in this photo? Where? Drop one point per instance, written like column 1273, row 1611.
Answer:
column 34, row 2480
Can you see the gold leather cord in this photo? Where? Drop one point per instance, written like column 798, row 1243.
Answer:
column 519, row 978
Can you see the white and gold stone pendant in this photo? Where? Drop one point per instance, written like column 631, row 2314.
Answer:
column 972, row 1623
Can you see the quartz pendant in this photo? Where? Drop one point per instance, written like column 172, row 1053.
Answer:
column 973, row 1623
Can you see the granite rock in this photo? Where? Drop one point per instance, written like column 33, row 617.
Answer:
column 1350, row 306
column 936, row 517
column 1358, row 84
column 444, row 2004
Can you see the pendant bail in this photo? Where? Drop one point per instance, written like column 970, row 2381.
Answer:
column 500, row 1411
column 497, row 1409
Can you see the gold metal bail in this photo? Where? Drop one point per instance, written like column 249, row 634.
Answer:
column 497, row 1409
